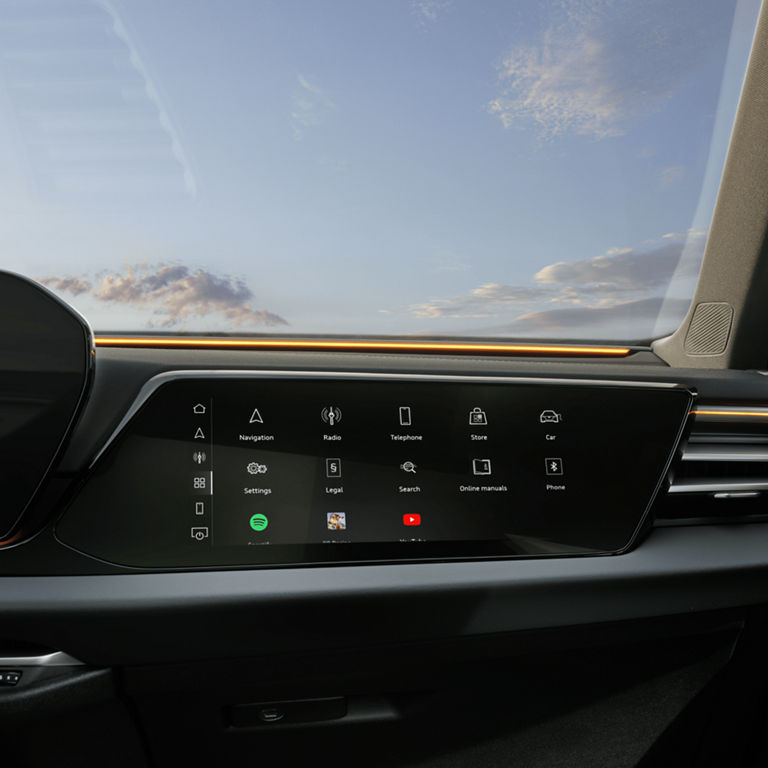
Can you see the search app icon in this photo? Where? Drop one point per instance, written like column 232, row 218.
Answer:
column 408, row 466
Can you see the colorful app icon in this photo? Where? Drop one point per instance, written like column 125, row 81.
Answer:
column 411, row 519
column 337, row 521
column 259, row 522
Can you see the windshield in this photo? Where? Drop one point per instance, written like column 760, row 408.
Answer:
column 441, row 167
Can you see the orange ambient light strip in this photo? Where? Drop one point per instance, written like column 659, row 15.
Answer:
column 342, row 345
column 16, row 536
column 742, row 414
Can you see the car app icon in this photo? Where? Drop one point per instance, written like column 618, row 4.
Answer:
column 550, row 417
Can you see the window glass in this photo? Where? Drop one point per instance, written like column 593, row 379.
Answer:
column 538, row 168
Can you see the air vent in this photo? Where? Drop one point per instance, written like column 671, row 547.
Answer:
column 721, row 472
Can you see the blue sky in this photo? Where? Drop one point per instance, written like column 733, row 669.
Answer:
column 415, row 166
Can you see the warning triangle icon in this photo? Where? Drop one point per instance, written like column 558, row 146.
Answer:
column 199, row 435
column 256, row 417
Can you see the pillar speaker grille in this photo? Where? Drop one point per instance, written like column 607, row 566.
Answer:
column 709, row 329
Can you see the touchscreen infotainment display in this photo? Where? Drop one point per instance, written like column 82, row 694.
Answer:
column 268, row 469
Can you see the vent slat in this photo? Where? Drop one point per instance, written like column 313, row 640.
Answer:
column 721, row 472
column 723, row 452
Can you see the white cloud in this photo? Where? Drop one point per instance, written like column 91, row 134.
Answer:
column 171, row 293
column 617, row 277
column 620, row 270
column 626, row 320
column 598, row 65
column 671, row 174
column 152, row 92
column 428, row 11
column 310, row 107
column 484, row 301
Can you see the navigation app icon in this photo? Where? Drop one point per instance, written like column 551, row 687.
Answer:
column 255, row 417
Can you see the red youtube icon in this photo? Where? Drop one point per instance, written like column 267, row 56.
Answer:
column 411, row 519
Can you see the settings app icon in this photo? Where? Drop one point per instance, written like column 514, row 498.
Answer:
column 254, row 468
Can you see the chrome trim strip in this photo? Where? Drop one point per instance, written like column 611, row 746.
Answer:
column 703, row 452
column 726, row 486
column 55, row 659
column 162, row 378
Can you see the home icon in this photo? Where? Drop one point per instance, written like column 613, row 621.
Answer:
column 199, row 408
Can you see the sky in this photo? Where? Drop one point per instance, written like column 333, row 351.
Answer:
column 542, row 168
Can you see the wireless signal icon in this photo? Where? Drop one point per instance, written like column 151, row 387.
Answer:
column 331, row 415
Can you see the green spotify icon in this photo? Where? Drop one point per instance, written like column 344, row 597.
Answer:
column 259, row 522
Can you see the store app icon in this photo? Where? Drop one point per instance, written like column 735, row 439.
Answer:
column 477, row 418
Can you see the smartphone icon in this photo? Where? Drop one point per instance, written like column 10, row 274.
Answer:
column 405, row 416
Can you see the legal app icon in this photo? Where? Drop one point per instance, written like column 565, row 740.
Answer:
column 411, row 519
column 478, row 418
column 337, row 521
column 333, row 468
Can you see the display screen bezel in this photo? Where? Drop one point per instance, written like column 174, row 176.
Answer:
column 381, row 552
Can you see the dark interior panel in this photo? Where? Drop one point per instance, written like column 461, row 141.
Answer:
column 46, row 352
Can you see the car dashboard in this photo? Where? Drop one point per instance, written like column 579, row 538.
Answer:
column 251, row 543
